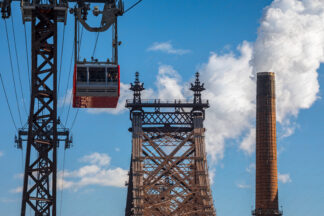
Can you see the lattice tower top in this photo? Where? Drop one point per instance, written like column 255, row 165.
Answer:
column 137, row 87
column 197, row 88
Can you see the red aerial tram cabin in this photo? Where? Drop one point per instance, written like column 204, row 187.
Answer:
column 96, row 85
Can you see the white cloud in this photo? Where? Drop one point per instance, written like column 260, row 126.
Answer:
column 169, row 83
column 8, row 200
column 243, row 186
column 16, row 190
column 167, row 47
column 288, row 128
column 248, row 143
column 211, row 175
column 251, row 168
column 231, row 93
column 1, row 153
column 290, row 42
column 284, row 178
column 97, row 172
column 19, row 176
column 97, row 158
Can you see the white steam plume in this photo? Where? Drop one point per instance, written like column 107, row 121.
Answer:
column 230, row 91
column 290, row 43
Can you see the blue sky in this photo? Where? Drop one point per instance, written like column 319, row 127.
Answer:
column 167, row 42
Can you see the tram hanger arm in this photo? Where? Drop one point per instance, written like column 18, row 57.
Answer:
column 109, row 15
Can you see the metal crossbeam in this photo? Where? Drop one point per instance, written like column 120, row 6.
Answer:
column 170, row 118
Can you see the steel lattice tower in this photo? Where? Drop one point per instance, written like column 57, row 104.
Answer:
column 168, row 170
column 43, row 135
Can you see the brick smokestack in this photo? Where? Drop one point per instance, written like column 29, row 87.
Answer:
column 266, row 202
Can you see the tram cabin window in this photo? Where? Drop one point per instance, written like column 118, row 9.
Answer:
column 112, row 74
column 97, row 74
column 82, row 74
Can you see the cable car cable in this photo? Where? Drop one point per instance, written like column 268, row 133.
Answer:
column 62, row 49
column 74, row 119
column 80, row 43
column 5, row 93
column 80, row 39
column 70, row 67
column 68, row 81
column 18, row 66
column 131, row 7
column 28, row 69
column 12, row 73
column 95, row 46
column 67, row 116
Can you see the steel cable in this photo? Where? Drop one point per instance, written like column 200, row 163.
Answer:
column 12, row 73
column 95, row 46
column 131, row 7
column 69, row 75
column 28, row 68
column 18, row 66
column 5, row 93
column 67, row 84
column 71, row 97
column 62, row 49
column 74, row 119
column 68, row 113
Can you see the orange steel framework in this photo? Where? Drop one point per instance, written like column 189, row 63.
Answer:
column 168, row 170
column 266, row 203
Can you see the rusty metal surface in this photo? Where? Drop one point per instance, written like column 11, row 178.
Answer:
column 266, row 202
column 168, row 170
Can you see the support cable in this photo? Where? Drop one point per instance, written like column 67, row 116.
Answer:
column 62, row 49
column 18, row 66
column 28, row 68
column 68, row 113
column 67, row 84
column 131, row 7
column 12, row 73
column 95, row 46
column 80, row 39
column 69, row 75
column 71, row 98
column 5, row 93
column 74, row 119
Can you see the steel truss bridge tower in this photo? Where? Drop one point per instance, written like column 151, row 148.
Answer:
column 168, row 170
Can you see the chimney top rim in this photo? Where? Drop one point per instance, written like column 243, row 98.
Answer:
column 266, row 73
